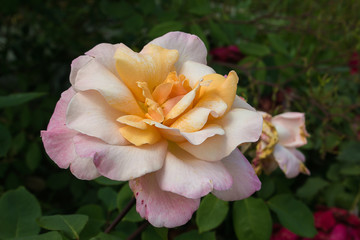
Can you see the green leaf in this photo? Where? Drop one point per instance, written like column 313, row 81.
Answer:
column 252, row 220
column 118, row 9
column 219, row 34
column 254, row 49
column 70, row 225
column 211, row 213
column 5, row 140
column 108, row 196
column 200, row 7
column 260, row 73
column 311, row 187
column 165, row 27
column 267, row 187
column 46, row 236
column 103, row 236
column 194, row 235
column 351, row 170
column 293, row 215
column 19, row 210
column 96, row 220
column 107, row 182
column 123, row 198
column 152, row 233
column 18, row 98
column 350, row 152
column 277, row 43
column 33, row 156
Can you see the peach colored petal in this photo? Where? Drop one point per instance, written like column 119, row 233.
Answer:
column 133, row 120
column 245, row 181
column 214, row 103
column 89, row 114
column 225, row 88
column 151, row 65
column 190, row 47
column 161, row 208
column 121, row 163
column 169, row 104
column 193, row 120
column 138, row 137
column 190, row 177
column 184, row 103
column 95, row 76
column 240, row 126
column 195, row 138
column 161, row 92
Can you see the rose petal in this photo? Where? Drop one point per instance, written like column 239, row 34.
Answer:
column 291, row 129
column 104, row 54
column 240, row 126
column 225, row 88
column 190, row 177
column 95, row 76
column 59, row 146
column 161, row 208
column 152, row 66
column 89, row 114
column 121, row 163
column 57, row 138
column 195, row 71
column 245, row 181
column 289, row 160
column 84, row 168
column 58, row 119
column 240, row 103
column 190, row 47
column 77, row 64
column 138, row 137
column 196, row 138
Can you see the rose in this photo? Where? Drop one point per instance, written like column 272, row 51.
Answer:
column 230, row 54
column 281, row 136
column 160, row 118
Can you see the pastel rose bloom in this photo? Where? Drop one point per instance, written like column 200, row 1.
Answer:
column 280, row 137
column 161, row 119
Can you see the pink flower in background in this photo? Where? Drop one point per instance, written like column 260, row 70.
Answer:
column 161, row 119
column 331, row 224
column 280, row 137
column 229, row 54
column 281, row 233
column 354, row 63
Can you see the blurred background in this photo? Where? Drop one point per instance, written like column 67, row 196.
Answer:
column 290, row 55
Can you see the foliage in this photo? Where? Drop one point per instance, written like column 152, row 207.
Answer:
column 296, row 56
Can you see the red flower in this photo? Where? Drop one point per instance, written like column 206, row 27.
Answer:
column 354, row 63
column 229, row 54
column 324, row 220
column 281, row 233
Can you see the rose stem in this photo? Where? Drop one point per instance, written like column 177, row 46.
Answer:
column 121, row 215
column 138, row 231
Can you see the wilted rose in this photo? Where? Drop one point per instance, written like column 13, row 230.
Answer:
column 280, row 137
column 160, row 118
